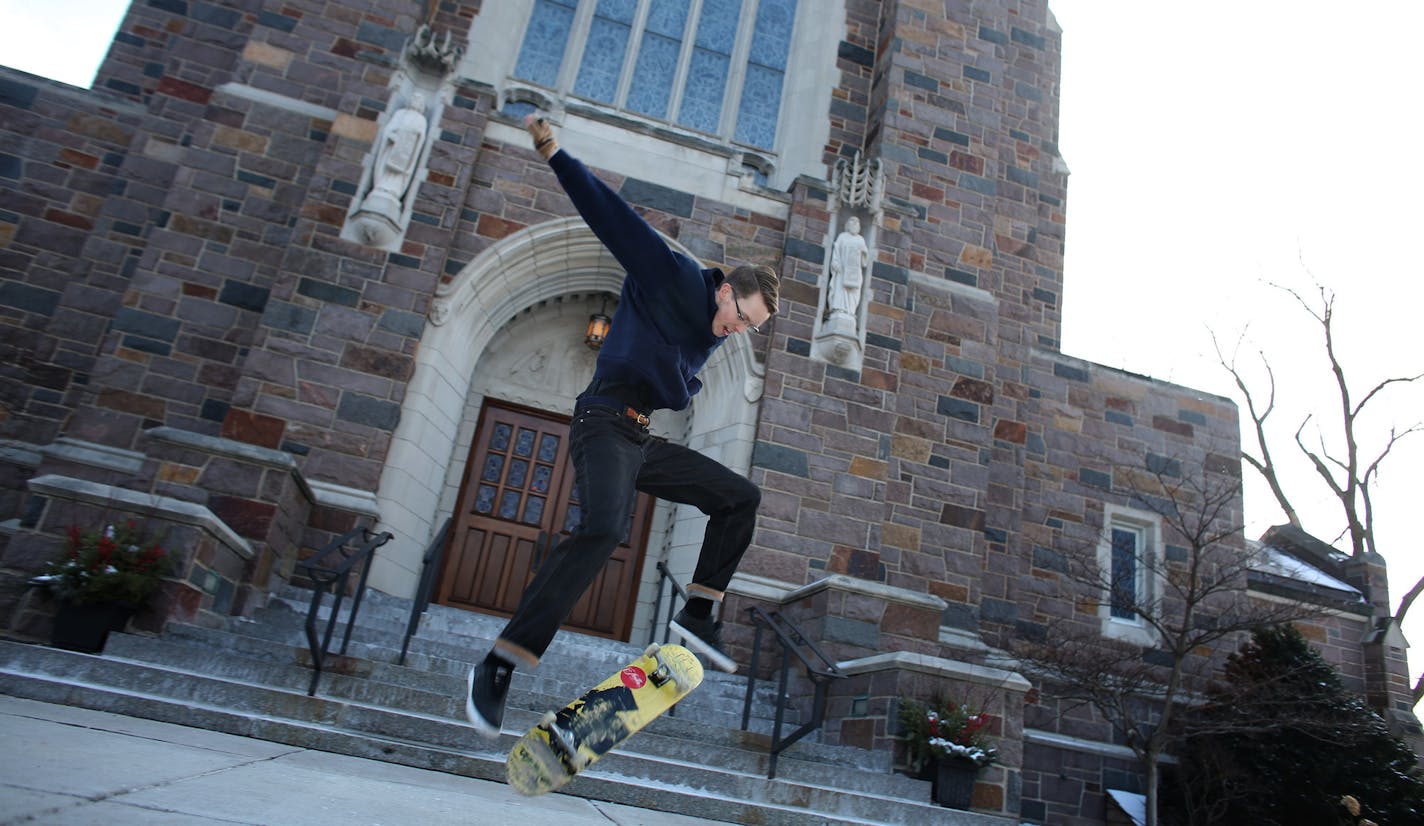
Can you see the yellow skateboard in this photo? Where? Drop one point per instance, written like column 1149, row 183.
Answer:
column 570, row 740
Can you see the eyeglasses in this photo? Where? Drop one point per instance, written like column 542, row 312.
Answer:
column 743, row 318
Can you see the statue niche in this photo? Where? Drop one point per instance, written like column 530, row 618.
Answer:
column 398, row 153
column 849, row 259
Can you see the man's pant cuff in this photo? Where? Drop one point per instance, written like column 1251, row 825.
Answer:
column 515, row 653
column 695, row 591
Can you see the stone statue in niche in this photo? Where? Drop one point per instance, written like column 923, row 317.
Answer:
column 849, row 259
column 398, row 150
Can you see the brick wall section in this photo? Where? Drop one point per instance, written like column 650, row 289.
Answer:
column 851, row 105
column 1067, row 787
column 73, row 214
column 248, row 316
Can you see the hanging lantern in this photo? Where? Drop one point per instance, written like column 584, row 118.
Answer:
column 598, row 325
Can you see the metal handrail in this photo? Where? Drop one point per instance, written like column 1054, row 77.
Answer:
column 324, row 576
column 430, row 567
column 821, row 672
column 678, row 592
column 665, row 576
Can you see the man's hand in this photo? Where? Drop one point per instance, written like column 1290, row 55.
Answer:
column 543, row 135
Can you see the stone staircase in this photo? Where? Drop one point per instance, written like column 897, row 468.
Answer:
column 251, row 679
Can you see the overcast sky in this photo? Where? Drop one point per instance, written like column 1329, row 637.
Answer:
column 1216, row 147
column 1221, row 146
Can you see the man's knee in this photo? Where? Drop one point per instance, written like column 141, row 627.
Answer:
column 746, row 497
column 601, row 530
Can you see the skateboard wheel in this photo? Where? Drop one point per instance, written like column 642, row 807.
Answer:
column 651, row 652
column 547, row 721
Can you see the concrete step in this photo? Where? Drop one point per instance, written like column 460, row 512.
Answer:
column 265, row 654
column 450, row 639
column 654, row 777
column 440, row 693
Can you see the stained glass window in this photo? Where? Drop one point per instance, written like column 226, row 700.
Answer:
column 544, row 41
column 643, row 45
column 711, row 61
column 603, row 51
column 766, row 71
column 1124, row 573
column 658, row 54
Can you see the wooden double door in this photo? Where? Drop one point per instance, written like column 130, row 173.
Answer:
column 517, row 501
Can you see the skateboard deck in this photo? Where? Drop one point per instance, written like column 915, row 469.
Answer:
column 570, row 740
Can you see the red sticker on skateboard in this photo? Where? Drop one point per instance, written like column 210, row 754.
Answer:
column 634, row 678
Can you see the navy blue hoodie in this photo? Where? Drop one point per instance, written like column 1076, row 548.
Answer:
column 662, row 330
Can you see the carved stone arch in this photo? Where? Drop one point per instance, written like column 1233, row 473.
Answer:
column 542, row 263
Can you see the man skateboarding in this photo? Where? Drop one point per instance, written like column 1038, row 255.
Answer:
column 671, row 315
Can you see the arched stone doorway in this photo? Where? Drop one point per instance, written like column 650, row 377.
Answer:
column 549, row 275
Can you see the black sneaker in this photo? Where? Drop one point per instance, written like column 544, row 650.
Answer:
column 486, row 688
column 704, row 636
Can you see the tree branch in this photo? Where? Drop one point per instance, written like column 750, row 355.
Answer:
column 1266, row 465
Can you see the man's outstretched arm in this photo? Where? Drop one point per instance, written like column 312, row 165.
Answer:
column 635, row 244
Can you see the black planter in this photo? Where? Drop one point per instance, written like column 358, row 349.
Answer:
column 954, row 783
column 86, row 627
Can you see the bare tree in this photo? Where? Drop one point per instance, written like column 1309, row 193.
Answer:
column 1200, row 600
column 1347, row 473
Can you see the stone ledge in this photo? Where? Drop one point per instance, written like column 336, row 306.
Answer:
column 175, row 510
column 944, row 285
column 341, row 497
column 1078, row 744
column 93, row 454
column 936, row 666
column 22, row 454
column 759, row 587
column 266, row 98
column 889, row 593
column 230, row 448
column 783, row 593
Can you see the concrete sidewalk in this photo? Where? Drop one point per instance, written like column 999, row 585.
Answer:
column 75, row 767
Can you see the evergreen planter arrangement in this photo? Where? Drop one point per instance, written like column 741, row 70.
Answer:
column 100, row 580
column 947, row 742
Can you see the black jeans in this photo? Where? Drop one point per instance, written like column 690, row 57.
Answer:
column 614, row 458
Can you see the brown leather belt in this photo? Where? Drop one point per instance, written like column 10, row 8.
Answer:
column 642, row 419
